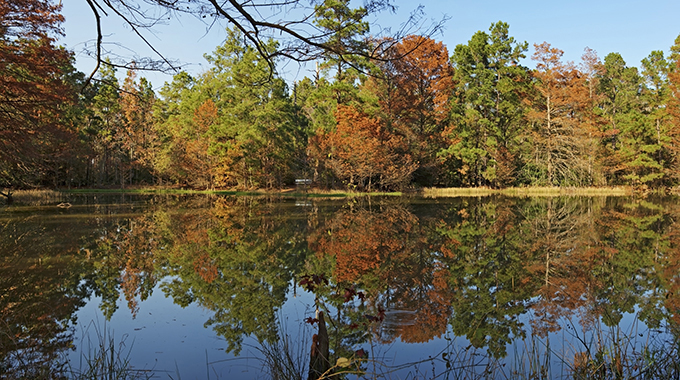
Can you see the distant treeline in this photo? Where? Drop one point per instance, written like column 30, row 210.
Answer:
column 418, row 116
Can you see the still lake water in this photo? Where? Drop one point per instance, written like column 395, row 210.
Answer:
column 198, row 287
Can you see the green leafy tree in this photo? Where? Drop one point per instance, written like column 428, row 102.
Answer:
column 346, row 31
column 656, row 98
column 338, row 73
column 259, row 136
column 317, row 106
column 251, row 135
column 487, row 108
column 631, row 140
column 174, row 116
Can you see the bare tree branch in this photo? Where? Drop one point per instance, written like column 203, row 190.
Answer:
column 290, row 22
column 99, row 41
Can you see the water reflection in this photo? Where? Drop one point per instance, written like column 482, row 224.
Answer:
column 494, row 272
column 39, row 295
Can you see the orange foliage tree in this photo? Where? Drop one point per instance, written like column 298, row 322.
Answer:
column 34, row 93
column 414, row 97
column 140, row 140
column 674, row 102
column 364, row 154
column 198, row 158
column 563, row 141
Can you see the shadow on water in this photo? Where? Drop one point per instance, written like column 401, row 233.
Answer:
column 562, row 287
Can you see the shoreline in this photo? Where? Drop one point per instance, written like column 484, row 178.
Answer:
column 453, row 192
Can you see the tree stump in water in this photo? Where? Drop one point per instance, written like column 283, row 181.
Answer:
column 319, row 363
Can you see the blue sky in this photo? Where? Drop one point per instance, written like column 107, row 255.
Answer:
column 631, row 28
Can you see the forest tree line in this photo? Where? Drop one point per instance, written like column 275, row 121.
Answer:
column 419, row 116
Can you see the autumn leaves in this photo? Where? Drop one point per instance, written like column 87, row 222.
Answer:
column 35, row 92
column 413, row 117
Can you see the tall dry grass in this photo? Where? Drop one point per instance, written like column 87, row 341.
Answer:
column 527, row 191
column 37, row 197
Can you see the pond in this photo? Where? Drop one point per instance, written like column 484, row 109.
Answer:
column 219, row 287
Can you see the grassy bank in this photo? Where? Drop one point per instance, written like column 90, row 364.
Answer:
column 289, row 192
column 427, row 192
column 527, row 191
column 37, row 197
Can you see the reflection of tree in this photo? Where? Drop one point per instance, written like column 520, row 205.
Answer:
column 396, row 258
column 238, row 260
column 670, row 274
column 633, row 243
column 46, row 274
column 559, row 232
column 394, row 271
column 124, row 257
column 601, row 259
column 491, row 282
column 39, row 294
column 615, row 265
column 235, row 257
column 667, row 265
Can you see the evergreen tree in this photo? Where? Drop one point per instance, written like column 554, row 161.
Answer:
column 487, row 108
column 234, row 125
column 630, row 139
column 655, row 97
